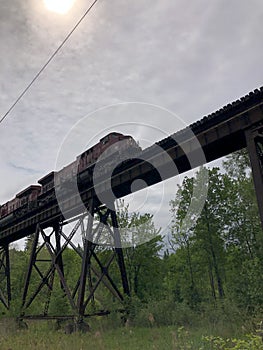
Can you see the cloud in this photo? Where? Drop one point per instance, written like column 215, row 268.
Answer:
column 23, row 169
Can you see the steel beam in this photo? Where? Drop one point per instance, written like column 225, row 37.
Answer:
column 5, row 285
column 119, row 252
column 254, row 138
column 93, row 272
column 85, row 266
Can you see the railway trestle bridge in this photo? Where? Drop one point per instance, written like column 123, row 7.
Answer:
column 234, row 127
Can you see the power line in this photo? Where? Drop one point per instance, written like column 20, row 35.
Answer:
column 47, row 63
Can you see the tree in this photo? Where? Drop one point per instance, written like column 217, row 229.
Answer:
column 244, row 237
column 143, row 263
column 182, row 235
column 244, row 225
column 203, row 242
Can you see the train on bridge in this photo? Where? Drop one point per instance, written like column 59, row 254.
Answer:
column 107, row 150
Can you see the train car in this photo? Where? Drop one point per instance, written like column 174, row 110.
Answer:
column 67, row 174
column 47, row 193
column 108, row 146
column 4, row 210
column 28, row 198
column 22, row 203
column 13, row 205
column 47, row 183
column 114, row 143
column 9, row 207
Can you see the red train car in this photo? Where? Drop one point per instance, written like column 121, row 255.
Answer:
column 105, row 149
column 28, row 195
column 108, row 147
column 26, row 198
column 13, row 205
column 47, row 182
column 4, row 210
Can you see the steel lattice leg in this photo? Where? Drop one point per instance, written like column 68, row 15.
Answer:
column 254, row 139
column 119, row 252
column 5, row 287
column 30, row 267
column 93, row 271
column 108, row 219
column 55, row 263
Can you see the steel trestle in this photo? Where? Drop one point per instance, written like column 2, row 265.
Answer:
column 47, row 262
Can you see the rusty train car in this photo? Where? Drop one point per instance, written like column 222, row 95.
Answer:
column 107, row 149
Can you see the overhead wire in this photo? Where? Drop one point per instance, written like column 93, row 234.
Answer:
column 47, row 62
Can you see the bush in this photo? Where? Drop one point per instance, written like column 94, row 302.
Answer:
column 250, row 342
column 163, row 313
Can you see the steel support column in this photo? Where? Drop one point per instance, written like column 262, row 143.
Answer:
column 254, row 138
column 119, row 252
column 86, row 264
column 106, row 220
column 93, row 269
column 5, row 287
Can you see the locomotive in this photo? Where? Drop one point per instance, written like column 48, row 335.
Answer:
column 30, row 199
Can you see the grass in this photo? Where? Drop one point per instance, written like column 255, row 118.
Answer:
column 40, row 336
column 134, row 338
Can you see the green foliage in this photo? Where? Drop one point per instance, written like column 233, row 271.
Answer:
column 208, row 281
column 250, row 342
column 237, row 165
column 143, row 264
column 163, row 313
column 58, row 303
column 221, row 256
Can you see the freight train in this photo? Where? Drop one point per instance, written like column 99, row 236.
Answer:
column 30, row 199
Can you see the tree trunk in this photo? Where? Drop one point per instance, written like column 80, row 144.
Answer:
column 211, row 278
column 194, row 293
column 214, row 259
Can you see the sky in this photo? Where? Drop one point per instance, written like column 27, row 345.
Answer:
column 160, row 65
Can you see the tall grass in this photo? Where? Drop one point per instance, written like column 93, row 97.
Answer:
column 108, row 333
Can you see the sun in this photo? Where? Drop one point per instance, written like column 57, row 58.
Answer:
column 59, row 6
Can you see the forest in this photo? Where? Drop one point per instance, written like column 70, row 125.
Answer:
column 206, row 277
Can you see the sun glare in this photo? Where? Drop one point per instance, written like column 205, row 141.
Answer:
column 59, row 6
